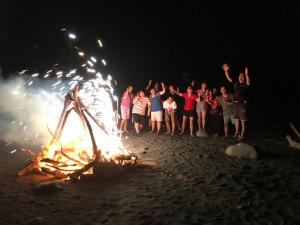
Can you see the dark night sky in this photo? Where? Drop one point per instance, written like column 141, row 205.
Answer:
column 163, row 39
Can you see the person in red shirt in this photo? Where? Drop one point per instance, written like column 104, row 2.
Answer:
column 189, row 108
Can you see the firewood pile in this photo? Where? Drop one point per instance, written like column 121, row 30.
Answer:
column 65, row 162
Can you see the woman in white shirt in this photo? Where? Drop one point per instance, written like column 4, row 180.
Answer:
column 170, row 108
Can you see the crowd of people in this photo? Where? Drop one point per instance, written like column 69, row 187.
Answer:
column 158, row 103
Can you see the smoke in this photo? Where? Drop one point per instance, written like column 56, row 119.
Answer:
column 25, row 112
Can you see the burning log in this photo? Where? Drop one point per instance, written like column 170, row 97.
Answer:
column 67, row 162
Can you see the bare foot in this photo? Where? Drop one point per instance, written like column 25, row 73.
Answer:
column 192, row 135
column 172, row 134
column 181, row 133
column 168, row 132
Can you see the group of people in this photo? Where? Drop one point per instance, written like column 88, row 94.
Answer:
column 151, row 105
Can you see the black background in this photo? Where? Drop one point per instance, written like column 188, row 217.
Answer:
column 175, row 41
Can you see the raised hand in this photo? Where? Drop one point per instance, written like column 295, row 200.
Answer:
column 225, row 67
column 246, row 71
column 193, row 83
column 150, row 82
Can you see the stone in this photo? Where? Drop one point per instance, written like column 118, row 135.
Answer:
column 241, row 150
column 48, row 187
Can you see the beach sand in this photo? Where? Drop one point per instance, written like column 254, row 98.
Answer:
column 178, row 180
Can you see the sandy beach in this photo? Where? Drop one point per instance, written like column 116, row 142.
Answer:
column 178, row 180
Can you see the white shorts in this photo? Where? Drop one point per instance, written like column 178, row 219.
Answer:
column 156, row 116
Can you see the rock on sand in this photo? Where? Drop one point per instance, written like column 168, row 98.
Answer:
column 241, row 150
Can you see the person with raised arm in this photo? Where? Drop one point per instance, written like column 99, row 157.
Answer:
column 225, row 100
column 189, row 108
column 201, row 109
column 125, row 108
column 156, row 108
column 140, row 104
column 240, row 94
column 214, row 111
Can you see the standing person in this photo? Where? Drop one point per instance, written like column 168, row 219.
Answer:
column 170, row 109
column 201, row 109
column 148, row 88
column 156, row 108
column 239, row 99
column 225, row 101
column 189, row 108
column 125, row 108
column 214, row 111
column 140, row 104
column 177, row 100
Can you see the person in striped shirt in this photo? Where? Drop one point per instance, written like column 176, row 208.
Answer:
column 141, row 103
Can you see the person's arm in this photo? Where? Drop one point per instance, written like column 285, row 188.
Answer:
column 163, row 89
column 178, row 93
column 198, row 97
column 226, row 71
column 149, row 84
column 149, row 107
column 193, row 84
column 247, row 76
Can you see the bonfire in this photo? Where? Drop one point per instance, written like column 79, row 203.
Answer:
column 71, row 160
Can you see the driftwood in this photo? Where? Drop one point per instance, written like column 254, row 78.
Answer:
column 293, row 143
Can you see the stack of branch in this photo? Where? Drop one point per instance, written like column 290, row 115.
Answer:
column 60, row 169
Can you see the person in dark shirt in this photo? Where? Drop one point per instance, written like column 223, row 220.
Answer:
column 240, row 94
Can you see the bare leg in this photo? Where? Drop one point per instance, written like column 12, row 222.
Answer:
column 173, row 124
column 158, row 126
column 203, row 120
column 137, row 127
column 243, row 128
column 125, row 124
column 152, row 126
column 183, row 125
column 168, row 124
column 122, row 125
column 199, row 119
column 191, row 126
column 226, row 130
column 141, row 127
column 237, row 121
column 177, row 122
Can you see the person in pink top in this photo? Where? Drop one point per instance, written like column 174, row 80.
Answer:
column 189, row 108
column 125, row 108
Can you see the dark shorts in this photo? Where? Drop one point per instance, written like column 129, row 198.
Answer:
column 137, row 118
column 188, row 113
column 239, row 111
